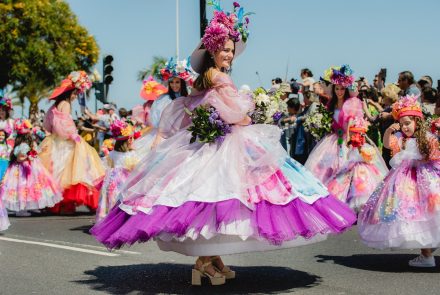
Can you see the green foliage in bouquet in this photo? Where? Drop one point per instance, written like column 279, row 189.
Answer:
column 319, row 122
column 207, row 125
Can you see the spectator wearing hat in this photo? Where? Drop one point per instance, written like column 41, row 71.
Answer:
column 425, row 81
column 285, row 89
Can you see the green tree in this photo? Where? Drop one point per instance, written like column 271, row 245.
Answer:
column 154, row 70
column 41, row 42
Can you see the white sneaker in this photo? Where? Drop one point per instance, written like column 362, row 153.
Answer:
column 23, row 213
column 422, row 261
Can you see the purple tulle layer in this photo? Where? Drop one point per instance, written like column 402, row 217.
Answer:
column 274, row 223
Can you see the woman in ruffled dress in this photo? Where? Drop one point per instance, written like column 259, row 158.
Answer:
column 121, row 160
column 333, row 156
column 74, row 163
column 240, row 193
column 178, row 75
column 5, row 150
column 27, row 185
column 6, row 122
column 404, row 211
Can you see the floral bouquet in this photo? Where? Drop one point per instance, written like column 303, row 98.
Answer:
column 268, row 108
column 207, row 125
column 318, row 123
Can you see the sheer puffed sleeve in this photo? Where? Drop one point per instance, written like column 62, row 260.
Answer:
column 174, row 117
column 232, row 106
column 60, row 124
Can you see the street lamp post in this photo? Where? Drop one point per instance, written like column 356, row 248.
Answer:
column 203, row 20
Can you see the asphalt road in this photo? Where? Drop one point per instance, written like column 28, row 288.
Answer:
column 56, row 255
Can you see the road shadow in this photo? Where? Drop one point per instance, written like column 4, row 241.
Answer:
column 176, row 278
column 84, row 228
column 397, row 263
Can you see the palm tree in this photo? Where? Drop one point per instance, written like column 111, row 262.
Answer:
column 154, row 70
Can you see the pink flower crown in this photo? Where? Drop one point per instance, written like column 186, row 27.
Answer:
column 121, row 130
column 407, row 106
column 22, row 126
column 342, row 75
column 224, row 26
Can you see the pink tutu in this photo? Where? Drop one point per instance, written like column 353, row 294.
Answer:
column 27, row 186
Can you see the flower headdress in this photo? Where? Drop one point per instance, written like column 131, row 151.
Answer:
column 76, row 80
column 121, row 130
column 407, row 106
column 178, row 68
column 223, row 26
column 359, row 125
column 6, row 102
column 342, row 75
column 152, row 89
column 22, row 126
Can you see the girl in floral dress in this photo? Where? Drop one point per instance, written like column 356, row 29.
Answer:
column 404, row 211
column 27, row 185
column 121, row 160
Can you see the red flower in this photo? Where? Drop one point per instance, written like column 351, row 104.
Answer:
column 32, row 154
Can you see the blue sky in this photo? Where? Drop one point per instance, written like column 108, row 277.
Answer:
column 367, row 35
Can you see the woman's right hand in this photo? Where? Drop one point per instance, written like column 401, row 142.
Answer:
column 246, row 121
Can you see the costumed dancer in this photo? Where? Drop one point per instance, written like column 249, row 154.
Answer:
column 73, row 162
column 27, row 185
column 178, row 75
column 356, row 180
column 6, row 122
column 121, row 160
column 404, row 211
column 330, row 155
column 212, row 195
column 5, row 150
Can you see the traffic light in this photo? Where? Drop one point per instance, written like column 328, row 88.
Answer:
column 99, row 92
column 108, row 69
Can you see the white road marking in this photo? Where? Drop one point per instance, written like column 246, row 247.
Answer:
column 59, row 247
column 76, row 244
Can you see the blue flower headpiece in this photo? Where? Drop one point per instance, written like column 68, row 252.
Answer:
column 178, row 68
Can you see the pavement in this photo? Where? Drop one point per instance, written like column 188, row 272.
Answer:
column 56, row 255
